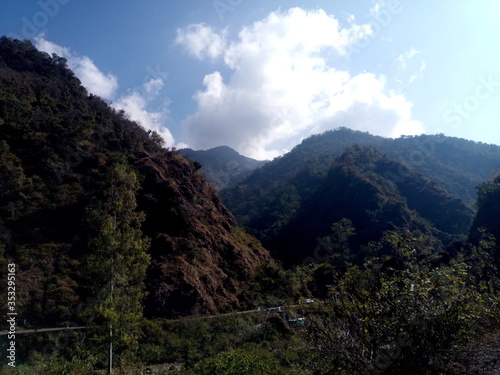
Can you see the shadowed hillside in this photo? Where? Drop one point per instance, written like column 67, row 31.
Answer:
column 57, row 146
column 222, row 166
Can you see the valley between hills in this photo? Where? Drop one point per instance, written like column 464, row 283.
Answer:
column 350, row 254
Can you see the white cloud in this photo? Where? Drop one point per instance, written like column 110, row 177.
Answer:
column 95, row 81
column 153, row 86
column 135, row 104
column 282, row 88
column 406, row 62
column 376, row 9
column 381, row 8
column 403, row 60
column 201, row 41
column 419, row 73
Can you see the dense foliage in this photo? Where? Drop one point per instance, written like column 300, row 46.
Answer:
column 109, row 230
column 408, row 311
column 103, row 223
column 359, row 186
column 456, row 165
column 488, row 205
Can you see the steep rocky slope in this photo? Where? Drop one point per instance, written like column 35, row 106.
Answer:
column 200, row 257
column 57, row 144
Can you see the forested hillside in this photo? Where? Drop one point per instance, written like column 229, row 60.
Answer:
column 356, row 188
column 429, row 180
column 58, row 148
column 457, row 164
column 488, row 211
column 388, row 268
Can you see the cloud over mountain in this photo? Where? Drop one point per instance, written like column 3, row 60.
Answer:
column 284, row 85
column 134, row 103
column 97, row 82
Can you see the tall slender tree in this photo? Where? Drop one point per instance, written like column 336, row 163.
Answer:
column 117, row 262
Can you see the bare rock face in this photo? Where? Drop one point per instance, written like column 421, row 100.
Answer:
column 200, row 257
column 57, row 145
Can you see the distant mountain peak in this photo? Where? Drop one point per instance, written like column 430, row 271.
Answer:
column 424, row 182
column 223, row 166
column 58, row 146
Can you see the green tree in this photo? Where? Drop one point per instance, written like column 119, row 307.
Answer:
column 342, row 231
column 117, row 263
column 404, row 316
column 488, row 209
column 241, row 362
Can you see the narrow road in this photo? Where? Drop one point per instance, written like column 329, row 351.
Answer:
column 270, row 309
column 25, row 331
column 37, row 330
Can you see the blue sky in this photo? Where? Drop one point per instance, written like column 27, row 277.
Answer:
column 260, row 76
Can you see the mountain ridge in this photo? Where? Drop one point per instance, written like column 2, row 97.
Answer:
column 222, row 166
column 355, row 188
column 435, row 156
column 57, row 146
